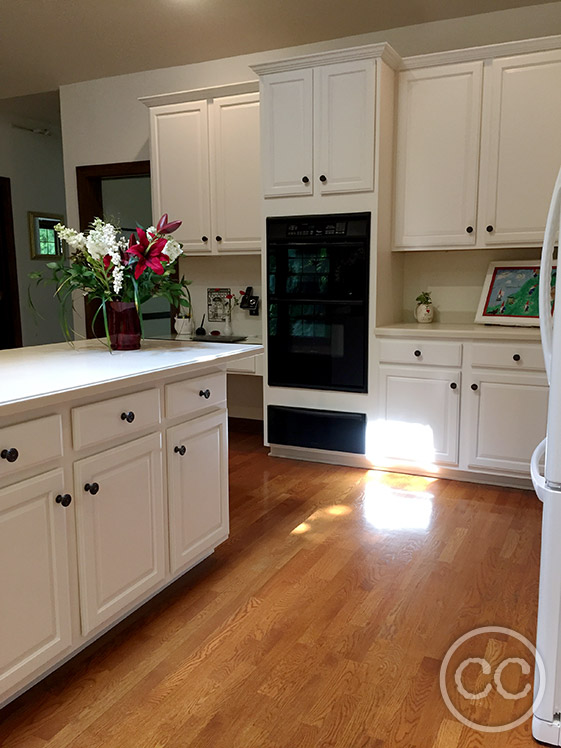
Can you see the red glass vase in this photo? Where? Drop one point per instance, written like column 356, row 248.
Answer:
column 124, row 325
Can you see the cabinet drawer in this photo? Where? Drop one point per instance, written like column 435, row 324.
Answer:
column 118, row 417
column 31, row 443
column 430, row 352
column 526, row 356
column 192, row 395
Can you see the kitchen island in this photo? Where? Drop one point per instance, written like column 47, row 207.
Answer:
column 113, row 483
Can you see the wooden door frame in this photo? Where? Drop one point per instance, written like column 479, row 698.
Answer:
column 10, row 334
column 90, row 205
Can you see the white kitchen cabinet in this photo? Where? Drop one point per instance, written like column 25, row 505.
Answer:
column 120, row 528
column 34, row 576
column 318, row 129
column 206, row 172
column 197, row 453
column 437, row 155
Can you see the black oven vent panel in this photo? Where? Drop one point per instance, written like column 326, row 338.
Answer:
column 317, row 429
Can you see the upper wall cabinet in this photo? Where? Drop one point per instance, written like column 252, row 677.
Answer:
column 206, row 172
column 318, row 122
column 459, row 185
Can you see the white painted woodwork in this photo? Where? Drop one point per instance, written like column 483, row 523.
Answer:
column 502, row 356
column 34, row 577
column 286, row 130
column 432, row 352
column 506, row 418
column 100, row 422
column 37, row 442
column 247, row 366
column 235, row 173
column 185, row 398
column 345, row 123
column 121, row 540
column 437, row 155
column 521, row 150
column 420, row 413
column 198, row 487
column 180, row 170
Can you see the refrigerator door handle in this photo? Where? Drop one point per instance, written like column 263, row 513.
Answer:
column 537, row 479
column 551, row 235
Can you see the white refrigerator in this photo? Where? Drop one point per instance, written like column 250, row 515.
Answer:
column 546, row 725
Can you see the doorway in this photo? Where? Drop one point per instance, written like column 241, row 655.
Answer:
column 10, row 321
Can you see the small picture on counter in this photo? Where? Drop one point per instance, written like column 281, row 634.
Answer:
column 218, row 304
column 510, row 294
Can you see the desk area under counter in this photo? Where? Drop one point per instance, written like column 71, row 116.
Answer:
column 113, row 483
column 463, row 401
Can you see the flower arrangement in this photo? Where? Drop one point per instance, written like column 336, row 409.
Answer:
column 424, row 298
column 106, row 267
column 234, row 301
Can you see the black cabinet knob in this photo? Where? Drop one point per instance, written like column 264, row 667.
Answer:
column 218, row 238
column 9, row 454
column 516, row 357
column 417, row 353
column 470, row 229
column 453, row 385
column 204, row 393
column 305, row 180
column 92, row 488
column 180, row 450
column 489, row 228
column 65, row 499
column 128, row 417
column 204, row 238
column 322, row 178
column 474, row 387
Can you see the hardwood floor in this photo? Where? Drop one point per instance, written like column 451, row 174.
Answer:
column 322, row 622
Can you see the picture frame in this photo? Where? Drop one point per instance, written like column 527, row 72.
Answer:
column 44, row 242
column 510, row 294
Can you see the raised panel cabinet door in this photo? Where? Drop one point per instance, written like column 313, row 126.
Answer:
column 34, row 581
column 437, row 156
column 236, row 173
column 198, row 488
column 120, row 528
column 420, row 416
column 286, row 131
column 522, row 149
column 507, row 416
column 344, row 126
column 180, row 171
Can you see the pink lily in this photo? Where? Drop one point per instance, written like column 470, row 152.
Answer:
column 167, row 227
column 149, row 253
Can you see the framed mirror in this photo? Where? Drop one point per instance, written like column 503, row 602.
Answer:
column 44, row 242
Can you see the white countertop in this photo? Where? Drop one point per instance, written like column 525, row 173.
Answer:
column 52, row 371
column 464, row 331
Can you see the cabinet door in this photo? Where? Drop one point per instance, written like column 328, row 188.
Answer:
column 180, row 171
column 344, row 126
column 34, row 584
column 121, row 540
column 522, row 147
column 505, row 418
column 235, row 167
column 437, row 161
column 198, row 488
column 286, row 101
column 420, row 415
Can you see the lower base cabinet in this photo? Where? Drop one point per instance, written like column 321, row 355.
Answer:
column 197, row 454
column 34, row 577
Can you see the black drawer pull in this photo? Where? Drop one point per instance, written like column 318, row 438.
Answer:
column 417, row 353
column 204, row 393
column 305, row 180
column 204, row 238
column 323, row 178
column 93, row 488
column 128, row 417
column 516, row 357
column 180, row 450
column 490, row 229
column 470, row 229
column 9, row 454
column 453, row 385
column 218, row 238
column 65, row 500
column 474, row 387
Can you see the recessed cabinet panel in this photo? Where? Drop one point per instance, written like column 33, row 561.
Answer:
column 198, row 487
column 34, row 579
column 439, row 112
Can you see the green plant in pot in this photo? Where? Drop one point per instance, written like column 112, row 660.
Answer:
column 424, row 312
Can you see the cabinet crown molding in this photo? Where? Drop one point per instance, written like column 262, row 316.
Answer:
column 197, row 94
column 488, row 52
column 382, row 51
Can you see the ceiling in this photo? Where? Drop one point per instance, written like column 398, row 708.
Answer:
column 48, row 43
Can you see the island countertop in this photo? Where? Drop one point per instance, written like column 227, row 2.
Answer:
column 48, row 373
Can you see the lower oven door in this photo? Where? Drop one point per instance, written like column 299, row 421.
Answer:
column 317, row 344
